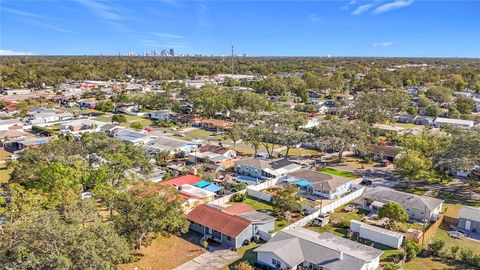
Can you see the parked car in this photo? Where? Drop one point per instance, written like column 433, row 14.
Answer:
column 456, row 234
column 366, row 182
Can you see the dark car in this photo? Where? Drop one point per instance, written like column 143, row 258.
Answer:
column 366, row 182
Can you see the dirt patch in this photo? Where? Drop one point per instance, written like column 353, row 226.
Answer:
column 166, row 253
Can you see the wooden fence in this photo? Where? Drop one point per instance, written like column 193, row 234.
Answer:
column 431, row 230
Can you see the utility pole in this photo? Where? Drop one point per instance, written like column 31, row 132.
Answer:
column 232, row 58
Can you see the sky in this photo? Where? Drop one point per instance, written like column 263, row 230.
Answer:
column 389, row 28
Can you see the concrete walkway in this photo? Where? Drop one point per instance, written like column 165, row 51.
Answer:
column 210, row 260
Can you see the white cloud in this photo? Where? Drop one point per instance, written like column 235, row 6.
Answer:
column 168, row 36
column 102, row 10
column 314, row 18
column 363, row 8
column 10, row 52
column 383, row 44
column 397, row 4
column 23, row 13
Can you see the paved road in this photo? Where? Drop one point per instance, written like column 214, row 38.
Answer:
column 210, row 260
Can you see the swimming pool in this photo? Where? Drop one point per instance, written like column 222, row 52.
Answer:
column 247, row 179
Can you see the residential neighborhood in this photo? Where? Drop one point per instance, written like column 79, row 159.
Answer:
column 252, row 170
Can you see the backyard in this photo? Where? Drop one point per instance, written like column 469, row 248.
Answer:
column 263, row 205
column 166, row 253
column 338, row 172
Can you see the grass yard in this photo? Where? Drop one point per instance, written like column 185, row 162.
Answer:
column 337, row 172
column 302, row 152
column 4, row 154
column 454, row 198
column 164, row 253
column 258, row 204
column 197, row 132
column 105, row 119
column 442, row 233
column 435, row 264
column 452, row 210
column 248, row 254
column 4, row 174
column 134, row 117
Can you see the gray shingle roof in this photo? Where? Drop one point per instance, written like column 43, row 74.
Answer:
column 470, row 213
column 408, row 200
column 299, row 245
column 330, row 182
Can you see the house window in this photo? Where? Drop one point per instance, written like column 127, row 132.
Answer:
column 229, row 238
column 276, row 263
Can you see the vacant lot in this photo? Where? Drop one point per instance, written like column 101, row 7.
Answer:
column 165, row 253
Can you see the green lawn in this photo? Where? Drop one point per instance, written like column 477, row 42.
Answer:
column 103, row 119
column 258, row 204
column 4, row 175
column 199, row 132
column 338, row 172
column 248, row 254
column 302, row 152
column 436, row 264
column 442, row 233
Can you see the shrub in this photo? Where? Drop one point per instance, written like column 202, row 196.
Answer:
column 412, row 249
column 243, row 266
column 119, row 118
column 238, row 197
column 466, row 255
column 436, row 246
column 136, row 125
column 454, row 252
column 391, row 266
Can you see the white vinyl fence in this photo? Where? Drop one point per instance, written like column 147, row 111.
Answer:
column 326, row 209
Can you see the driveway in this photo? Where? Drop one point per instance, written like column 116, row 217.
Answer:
column 210, row 260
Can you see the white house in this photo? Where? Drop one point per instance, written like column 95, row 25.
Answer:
column 161, row 115
column 11, row 123
column 305, row 249
column 465, row 124
column 265, row 168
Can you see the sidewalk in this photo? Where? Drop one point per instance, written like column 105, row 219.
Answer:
column 210, row 260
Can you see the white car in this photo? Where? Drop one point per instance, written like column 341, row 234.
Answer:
column 86, row 195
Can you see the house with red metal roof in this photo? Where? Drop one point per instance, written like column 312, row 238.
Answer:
column 232, row 226
column 182, row 180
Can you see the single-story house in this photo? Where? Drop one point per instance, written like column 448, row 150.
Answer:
column 469, row 219
column 131, row 136
column 212, row 153
column 8, row 124
column 171, row 145
column 319, row 184
column 305, row 249
column 465, row 124
column 380, row 152
column 161, row 115
column 265, row 168
column 425, row 120
column 181, row 180
column 81, row 126
column 233, row 225
column 417, row 207
column 406, row 118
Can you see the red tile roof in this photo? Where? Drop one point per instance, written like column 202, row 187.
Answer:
column 238, row 208
column 182, row 180
column 215, row 219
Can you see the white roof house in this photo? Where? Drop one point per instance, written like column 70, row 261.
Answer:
column 465, row 124
column 289, row 249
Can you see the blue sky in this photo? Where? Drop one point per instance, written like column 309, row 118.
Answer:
column 258, row 28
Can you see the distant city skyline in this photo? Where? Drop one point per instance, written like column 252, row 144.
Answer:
column 386, row 28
